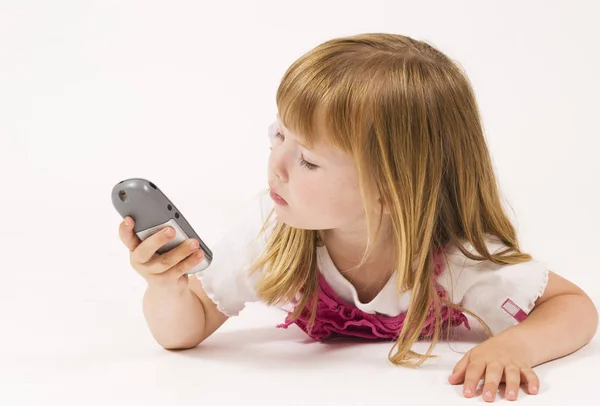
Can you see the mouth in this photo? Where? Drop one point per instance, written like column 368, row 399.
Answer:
column 277, row 199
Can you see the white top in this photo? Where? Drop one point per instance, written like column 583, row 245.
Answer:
column 500, row 294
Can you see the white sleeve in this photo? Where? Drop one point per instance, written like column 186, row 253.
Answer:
column 501, row 295
column 227, row 281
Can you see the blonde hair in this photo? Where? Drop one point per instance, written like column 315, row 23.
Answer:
column 407, row 115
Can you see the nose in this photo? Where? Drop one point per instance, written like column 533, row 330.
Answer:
column 278, row 164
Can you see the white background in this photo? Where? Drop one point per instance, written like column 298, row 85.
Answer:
column 181, row 93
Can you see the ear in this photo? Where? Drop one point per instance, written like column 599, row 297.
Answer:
column 382, row 207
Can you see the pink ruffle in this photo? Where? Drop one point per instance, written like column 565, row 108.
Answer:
column 336, row 317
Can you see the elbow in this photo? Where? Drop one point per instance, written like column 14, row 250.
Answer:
column 595, row 318
column 182, row 345
column 589, row 313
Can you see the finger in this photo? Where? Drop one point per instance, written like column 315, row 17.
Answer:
column 493, row 375
column 147, row 248
column 172, row 258
column 532, row 380
column 127, row 235
column 472, row 377
column 184, row 266
column 513, row 380
column 458, row 373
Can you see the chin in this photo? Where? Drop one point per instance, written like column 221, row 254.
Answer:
column 284, row 216
column 290, row 221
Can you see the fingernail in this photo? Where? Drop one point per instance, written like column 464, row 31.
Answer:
column 468, row 391
column 199, row 254
column 534, row 389
column 169, row 232
column 511, row 393
column 126, row 223
column 193, row 245
column 488, row 395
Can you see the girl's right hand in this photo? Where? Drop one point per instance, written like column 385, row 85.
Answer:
column 167, row 270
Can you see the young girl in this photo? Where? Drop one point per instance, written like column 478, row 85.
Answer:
column 383, row 221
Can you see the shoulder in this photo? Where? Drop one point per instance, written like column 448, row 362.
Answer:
column 227, row 280
column 250, row 220
column 459, row 269
column 501, row 294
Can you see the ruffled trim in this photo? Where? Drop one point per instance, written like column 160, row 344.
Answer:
column 542, row 287
column 210, row 293
column 335, row 317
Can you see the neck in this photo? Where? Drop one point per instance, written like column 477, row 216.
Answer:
column 346, row 247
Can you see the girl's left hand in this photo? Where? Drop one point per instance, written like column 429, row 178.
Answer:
column 495, row 360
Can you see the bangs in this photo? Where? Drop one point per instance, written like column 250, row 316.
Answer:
column 321, row 96
column 303, row 108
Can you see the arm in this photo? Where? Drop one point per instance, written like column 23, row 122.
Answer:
column 181, row 320
column 185, row 318
column 563, row 320
column 565, row 313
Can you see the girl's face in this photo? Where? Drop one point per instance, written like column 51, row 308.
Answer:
column 319, row 186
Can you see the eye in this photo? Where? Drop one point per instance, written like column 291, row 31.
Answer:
column 276, row 136
column 308, row 165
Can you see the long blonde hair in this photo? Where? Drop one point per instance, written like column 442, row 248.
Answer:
column 407, row 115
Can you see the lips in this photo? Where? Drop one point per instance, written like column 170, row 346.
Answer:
column 277, row 199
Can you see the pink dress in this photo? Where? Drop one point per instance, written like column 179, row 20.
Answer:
column 335, row 317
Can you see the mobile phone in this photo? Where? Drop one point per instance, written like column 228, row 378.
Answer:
column 152, row 211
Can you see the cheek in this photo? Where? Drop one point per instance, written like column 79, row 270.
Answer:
column 305, row 186
column 334, row 198
column 345, row 195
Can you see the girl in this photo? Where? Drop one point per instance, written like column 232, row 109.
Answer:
column 383, row 221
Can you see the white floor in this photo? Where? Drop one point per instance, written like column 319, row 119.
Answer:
column 94, row 92
column 80, row 339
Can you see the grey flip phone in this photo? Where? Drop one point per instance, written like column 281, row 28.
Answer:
column 152, row 211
